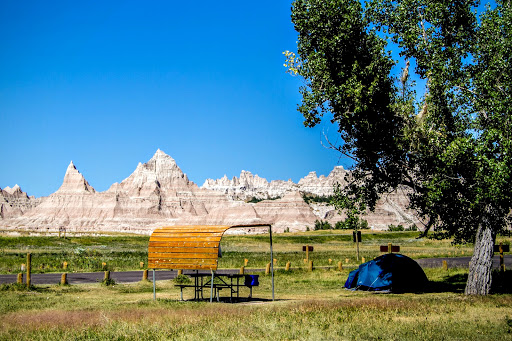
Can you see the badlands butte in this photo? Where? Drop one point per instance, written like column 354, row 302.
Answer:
column 158, row 193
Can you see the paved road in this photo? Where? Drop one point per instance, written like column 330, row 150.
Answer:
column 95, row 277
column 136, row 276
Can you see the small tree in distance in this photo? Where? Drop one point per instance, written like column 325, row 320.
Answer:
column 451, row 146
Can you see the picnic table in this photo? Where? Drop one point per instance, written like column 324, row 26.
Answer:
column 225, row 281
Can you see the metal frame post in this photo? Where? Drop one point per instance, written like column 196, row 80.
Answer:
column 154, row 285
column 271, row 261
column 211, row 286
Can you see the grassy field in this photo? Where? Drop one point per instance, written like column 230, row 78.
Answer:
column 308, row 306
column 125, row 252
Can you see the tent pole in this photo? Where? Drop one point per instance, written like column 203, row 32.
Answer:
column 271, row 260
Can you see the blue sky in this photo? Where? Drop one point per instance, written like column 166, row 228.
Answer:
column 106, row 84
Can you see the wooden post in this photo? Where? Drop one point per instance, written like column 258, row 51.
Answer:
column 145, row 275
column 141, row 265
column 242, row 270
column 107, row 275
column 445, row 265
column 29, row 268
column 287, row 266
column 64, row 279
column 307, row 253
column 267, row 270
column 310, row 265
column 362, row 260
column 20, row 278
column 390, row 246
column 180, row 272
column 346, row 260
column 340, row 266
column 246, row 261
column 357, row 245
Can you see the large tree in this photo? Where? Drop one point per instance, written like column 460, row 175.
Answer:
column 450, row 140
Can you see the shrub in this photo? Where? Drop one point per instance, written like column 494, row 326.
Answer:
column 345, row 225
column 308, row 198
column 322, row 225
column 182, row 279
column 412, row 228
column 395, row 228
column 108, row 282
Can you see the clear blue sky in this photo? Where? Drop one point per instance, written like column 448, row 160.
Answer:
column 107, row 83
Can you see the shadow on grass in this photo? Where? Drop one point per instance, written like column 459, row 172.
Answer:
column 451, row 283
column 501, row 283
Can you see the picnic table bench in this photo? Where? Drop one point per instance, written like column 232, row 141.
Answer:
column 226, row 281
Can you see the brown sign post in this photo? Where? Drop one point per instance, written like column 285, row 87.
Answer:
column 389, row 248
column 502, row 248
column 307, row 249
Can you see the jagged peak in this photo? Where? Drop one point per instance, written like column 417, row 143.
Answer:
column 13, row 190
column 160, row 171
column 74, row 182
column 161, row 155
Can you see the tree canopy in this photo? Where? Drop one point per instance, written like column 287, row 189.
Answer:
column 448, row 141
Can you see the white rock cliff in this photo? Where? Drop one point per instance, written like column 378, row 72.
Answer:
column 158, row 193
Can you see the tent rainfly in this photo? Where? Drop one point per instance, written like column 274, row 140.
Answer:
column 195, row 247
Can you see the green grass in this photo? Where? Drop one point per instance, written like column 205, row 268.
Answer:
column 309, row 306
column 125, row 252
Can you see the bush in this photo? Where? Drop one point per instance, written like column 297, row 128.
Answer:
column 394, row 228
column 108, row 282
column 308, row 198
column 322, row 225
column 345, row 225
column 412, row 228
column 182, row 279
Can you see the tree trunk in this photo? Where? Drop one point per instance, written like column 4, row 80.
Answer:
column 480, row 267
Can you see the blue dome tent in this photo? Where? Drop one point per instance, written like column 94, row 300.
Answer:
column 390, row 272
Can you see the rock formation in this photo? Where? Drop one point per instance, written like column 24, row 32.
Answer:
column 390, row 209
column 250, row 186
column 14, row 202
column 158, row 193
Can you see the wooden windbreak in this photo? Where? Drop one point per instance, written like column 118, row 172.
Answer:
column 185, row 247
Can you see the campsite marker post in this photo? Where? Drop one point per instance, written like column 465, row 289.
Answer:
column 356, row 236
column 307, row 248
column 502, row 248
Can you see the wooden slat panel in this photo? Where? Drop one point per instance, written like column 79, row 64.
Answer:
column 183, row 266
column 192, row 229
column 188, row 239
column 183, row 249
column 187, row 234
column 182, row 261
column 172, row 255
column 184, row 244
